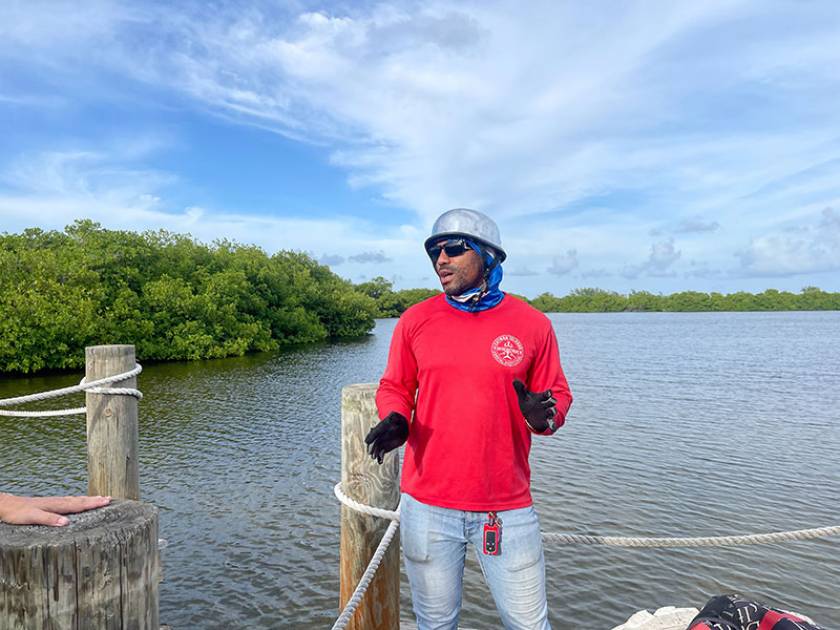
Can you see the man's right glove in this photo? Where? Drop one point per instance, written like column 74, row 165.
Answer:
column 390, row 433
column 537, row 407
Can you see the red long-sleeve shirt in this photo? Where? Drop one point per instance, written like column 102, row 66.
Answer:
column 468, row 442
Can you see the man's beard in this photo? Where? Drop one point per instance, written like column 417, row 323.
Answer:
column 474, row 293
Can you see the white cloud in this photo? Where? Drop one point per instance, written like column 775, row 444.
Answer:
column 696, row 224
column 521, row 271
column 44, row 27
column 561, row 265
column 430, row 102
column 139, row 213
column 662, row 257
column 702, row 270
column 595, row 273
column 53, row 189
column 717, row 111
column 807, row 248
column 84, row 172
column 331, row 260
column 370, row 257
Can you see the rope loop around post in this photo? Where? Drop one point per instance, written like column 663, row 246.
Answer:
column 391, row 515
column 99, row 386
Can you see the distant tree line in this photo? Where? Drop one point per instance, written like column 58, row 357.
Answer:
column 392, row 303
column 590, row 300
column 170, row 296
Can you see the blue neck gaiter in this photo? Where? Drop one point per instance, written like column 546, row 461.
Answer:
column 487, row 294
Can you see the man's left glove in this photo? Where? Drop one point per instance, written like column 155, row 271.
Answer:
column 390, row 433
column 537, row 407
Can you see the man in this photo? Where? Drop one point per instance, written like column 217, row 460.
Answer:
column 16, row 510
column 480, row 370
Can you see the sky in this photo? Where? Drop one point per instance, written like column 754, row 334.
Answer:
column 656, row 146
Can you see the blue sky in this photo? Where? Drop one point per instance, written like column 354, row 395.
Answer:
column 655, row 146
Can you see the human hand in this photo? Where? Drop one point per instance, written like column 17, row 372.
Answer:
column 45, row 510
column 390, row 433
column 537, row 407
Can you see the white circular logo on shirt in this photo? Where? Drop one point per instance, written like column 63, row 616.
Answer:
column 507, row 350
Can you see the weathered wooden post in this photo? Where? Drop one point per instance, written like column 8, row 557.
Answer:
column 376, row 485
column 100, row 571
column 103, row 569
column 112, row 433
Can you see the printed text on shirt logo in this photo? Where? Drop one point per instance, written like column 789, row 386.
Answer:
column 507, row 350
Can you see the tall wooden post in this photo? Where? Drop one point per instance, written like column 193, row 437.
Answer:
column 112, row 434
column 376, row 485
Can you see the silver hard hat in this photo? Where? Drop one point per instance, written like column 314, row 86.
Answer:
column 470, row 223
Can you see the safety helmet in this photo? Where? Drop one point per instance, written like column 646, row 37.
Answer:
column 470, row 223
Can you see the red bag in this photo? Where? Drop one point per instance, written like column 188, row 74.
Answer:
column 733, row 612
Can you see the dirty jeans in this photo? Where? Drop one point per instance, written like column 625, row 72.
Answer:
column 434, row 542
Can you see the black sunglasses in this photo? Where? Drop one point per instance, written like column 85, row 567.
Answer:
column 453, row 247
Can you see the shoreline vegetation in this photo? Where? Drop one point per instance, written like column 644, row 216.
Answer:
column 589, row 300
column 177, row 299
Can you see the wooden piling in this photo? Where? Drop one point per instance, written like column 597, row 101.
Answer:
column 376, row 485
column 112, row 433
column 101, row 571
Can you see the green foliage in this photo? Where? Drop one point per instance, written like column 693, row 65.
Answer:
column 390, row 303
column 546, row 303
column 170, row 296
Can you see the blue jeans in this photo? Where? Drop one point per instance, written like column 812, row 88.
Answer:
column 434, row 543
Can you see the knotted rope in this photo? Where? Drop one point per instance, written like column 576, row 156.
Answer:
column 98, row 386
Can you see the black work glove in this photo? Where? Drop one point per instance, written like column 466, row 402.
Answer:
column 537, row 407
column 390, row 433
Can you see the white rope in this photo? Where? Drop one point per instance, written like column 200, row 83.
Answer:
column 561, row 539
column 361, row 589
column 365, row 509
column 94, row 387
column 43, row 414
column 623, row 541
column 704, row 541
column 375, row 561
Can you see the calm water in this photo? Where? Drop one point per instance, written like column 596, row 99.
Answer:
column 683, row 425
